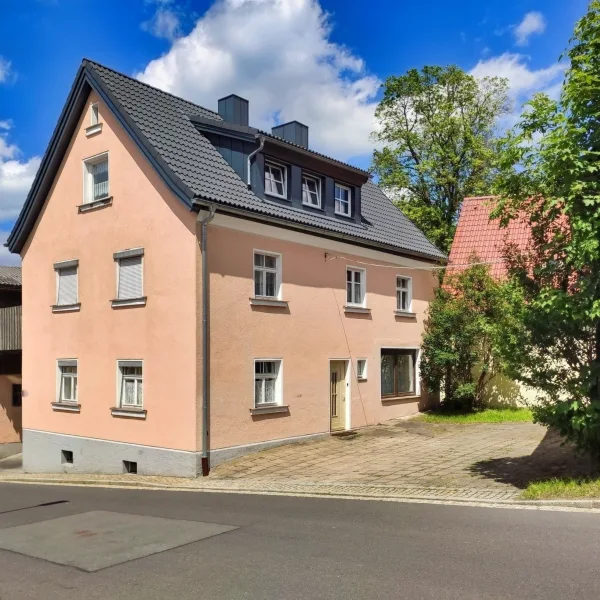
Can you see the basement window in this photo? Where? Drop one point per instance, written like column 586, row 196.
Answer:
column 66, row 457
column 130, row 466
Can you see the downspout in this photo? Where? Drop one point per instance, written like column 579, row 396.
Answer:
column 205, row 343
column 251, row 156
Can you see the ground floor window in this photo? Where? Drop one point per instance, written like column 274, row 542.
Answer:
column 16, row 395
column 398, row 372
column 267, row 382
column 67, row 382
column 131, row 382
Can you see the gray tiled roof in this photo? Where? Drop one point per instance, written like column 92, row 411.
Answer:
column 164, row 120
column 10, row 276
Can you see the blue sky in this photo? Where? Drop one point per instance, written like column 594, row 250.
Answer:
column 319, row 62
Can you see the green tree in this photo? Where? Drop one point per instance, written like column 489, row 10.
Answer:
column 549, row 174
column 438, row 131
column 470, row 327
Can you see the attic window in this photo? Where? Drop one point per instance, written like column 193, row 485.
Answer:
column 275, row 180
column 95, row 124
column 342, row 200
column 311, row 191
column 95, row 172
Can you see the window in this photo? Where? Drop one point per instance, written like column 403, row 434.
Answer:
column 96, row 179
column 267, row 382
column 275, row 180
column 66, row 283
column 361, row 368
column 403, row 293
column 267, row 275
column 398, row 372
column 311, row 191
column 94, row 115
column 342, row 200
column 130, row 384
column 17, row 395
column 67, row 381
column 355, row 286
column 130, row 285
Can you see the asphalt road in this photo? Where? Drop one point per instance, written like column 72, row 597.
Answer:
column 297, row 548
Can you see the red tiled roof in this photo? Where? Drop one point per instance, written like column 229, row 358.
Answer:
column 477, row 234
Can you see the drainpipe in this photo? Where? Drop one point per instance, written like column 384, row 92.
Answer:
column 205, row 344
column 252, row 155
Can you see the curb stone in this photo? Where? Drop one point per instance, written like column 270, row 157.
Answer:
column 359, row 492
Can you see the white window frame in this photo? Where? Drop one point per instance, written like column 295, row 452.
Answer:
column 60, row 377
column 361, row 376
column 57, row 269
column 278, row 382
column 118, row 260
column 363, row 286
column 94, row 114
column 317, row 180
column 123, row 363
column 270, row 164
column 277, row 271
column 339, row 212
column 408, row 290
column 88, row 178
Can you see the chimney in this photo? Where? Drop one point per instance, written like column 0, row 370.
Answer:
column 294, row 132
column 234, row 109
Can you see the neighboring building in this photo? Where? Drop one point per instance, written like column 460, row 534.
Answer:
column 479, row 236
column 10, row 354
column 317, row 287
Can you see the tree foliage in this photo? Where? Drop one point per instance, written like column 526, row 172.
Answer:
column 470, row 327
column 549, row 172
column 438, row 130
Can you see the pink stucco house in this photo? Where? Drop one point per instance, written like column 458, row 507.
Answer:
column 194, row 288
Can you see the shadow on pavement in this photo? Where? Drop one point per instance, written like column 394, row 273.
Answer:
column 549, row 460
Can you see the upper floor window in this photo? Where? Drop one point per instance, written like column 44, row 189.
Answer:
column 94, row 114
column 131, row 381
column 267, row 275
column 66, row 286
column 403, row 294
column 342, row 200
column 311, row 191
column 355, row 286
column 95, row 178
column 130, row 277
column 67, row 380
column 275, row 180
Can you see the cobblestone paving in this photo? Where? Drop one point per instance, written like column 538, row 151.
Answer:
column 400, row 459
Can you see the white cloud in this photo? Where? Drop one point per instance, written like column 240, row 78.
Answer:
column 16, row 176
column 278, row 55
column 5, row 69
column 165, row 22
column 6, row 257
column 521, row 79
column 532, row 23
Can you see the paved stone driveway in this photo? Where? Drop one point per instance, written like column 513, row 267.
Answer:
column 496, row 458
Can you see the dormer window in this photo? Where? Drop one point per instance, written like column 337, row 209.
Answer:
column 275, row 179
column 342, row 200
column 311, row 191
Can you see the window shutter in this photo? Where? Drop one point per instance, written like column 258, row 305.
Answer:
column 130, row 278
column 67, row 286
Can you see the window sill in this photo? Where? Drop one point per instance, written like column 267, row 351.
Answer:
column 93, row 129
column 258, row 301
column 361, row 379
column 398, row 398
column 357, row 309
column 126, row 302
column 272, row 195
column 96, row 204
column 128, row 413
column 272, row 408
column 60, row 308
column 404, row 314
column 66, row 407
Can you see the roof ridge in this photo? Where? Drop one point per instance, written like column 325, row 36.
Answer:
column 152, row 87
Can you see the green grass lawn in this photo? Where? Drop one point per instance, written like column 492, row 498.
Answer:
column 562, row 488
column 487, row 415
